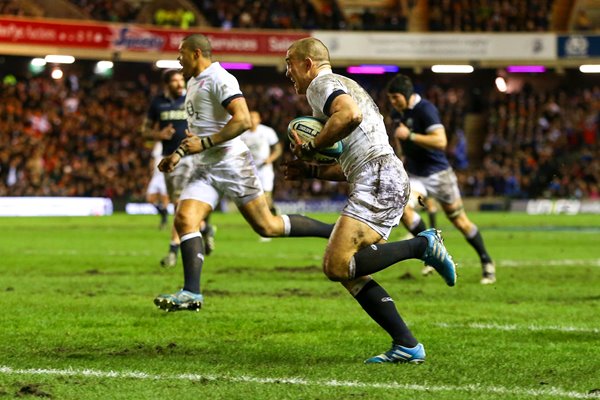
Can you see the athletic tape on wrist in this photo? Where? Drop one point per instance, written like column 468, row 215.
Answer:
column 181, row 152
column 207, row 143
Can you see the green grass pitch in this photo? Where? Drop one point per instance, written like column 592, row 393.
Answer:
column 78, row 320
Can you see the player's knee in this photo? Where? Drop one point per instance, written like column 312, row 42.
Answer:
column 185, row 223
column 336, row 269
column 334, row 275
column 463, row 224
column 268, row 228
column 455, row 215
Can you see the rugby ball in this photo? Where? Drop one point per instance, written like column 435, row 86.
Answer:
column 307, row 129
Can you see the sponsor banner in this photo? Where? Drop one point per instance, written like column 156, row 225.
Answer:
column 579, row 46
column 54, row 206
column 313, row 206
column 226, row 206
column 137, row 38
column 145, row 208
column 560, row 206
column 524, row 47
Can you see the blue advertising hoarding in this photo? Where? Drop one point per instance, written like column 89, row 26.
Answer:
column 578, row 46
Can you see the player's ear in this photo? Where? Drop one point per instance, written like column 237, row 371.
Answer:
column 308, row 63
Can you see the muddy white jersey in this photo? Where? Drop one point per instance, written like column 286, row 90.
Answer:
column 206, row 101
column 369, row 140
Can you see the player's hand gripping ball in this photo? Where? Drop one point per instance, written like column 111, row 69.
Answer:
column 307, row 128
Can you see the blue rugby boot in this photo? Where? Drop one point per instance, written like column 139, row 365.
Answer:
column 437, row 256
column 182, row 300
column 400, row 354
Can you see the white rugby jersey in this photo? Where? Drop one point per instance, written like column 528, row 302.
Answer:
column 259, row 142
column 207, row 97
column 369, row 140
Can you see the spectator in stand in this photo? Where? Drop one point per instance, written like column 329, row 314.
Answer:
column 174, row 18
column 583, row 23
column 86, row 152
column 489, row 15
column 95, row 121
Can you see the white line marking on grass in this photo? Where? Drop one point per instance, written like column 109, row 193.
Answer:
column 473, row 388
column 535, row 328
column 502, row 263
column 554, row 263
column 73, row 252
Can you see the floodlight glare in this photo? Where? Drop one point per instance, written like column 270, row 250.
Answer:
column 56, row 73
column 590, row 68
column 103, row 68
column 104, row 65
column 169, row 64
column 501, row 84
column 452, row 69
column 59, row 59
column 38, row 62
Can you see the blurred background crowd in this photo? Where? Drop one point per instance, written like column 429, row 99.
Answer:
column 397, row 15
column 79, row 135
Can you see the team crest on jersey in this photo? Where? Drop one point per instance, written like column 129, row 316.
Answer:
column 189, row 108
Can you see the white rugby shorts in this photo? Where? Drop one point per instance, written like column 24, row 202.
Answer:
column 379, row 194
column 266, row 174
column 157, row 184
column 178, row 178
column 442, row 186
column 234, row 177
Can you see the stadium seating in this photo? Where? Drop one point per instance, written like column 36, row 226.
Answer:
column 537, row 144
column 537, row 141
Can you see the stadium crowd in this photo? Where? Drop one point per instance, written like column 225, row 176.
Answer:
column 62, row 142
column 489, row 15
column 58, row 141
column 541, row 144
column 442, row 15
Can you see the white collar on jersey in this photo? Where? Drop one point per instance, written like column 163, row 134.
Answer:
column 416, row 101
column 207, row 71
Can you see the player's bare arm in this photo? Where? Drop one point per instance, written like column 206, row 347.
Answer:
column 150, row 130
column 435, row 139
column 345, row 118
column 276, row 152
column 168, row 163
column 239, row 122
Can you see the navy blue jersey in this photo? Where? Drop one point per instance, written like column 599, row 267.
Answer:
column 165, row 111
column 420, row 119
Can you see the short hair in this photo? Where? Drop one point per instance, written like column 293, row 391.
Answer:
column 401, row 84
column 311, row 48
column 197, row 41
column 167, row 75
